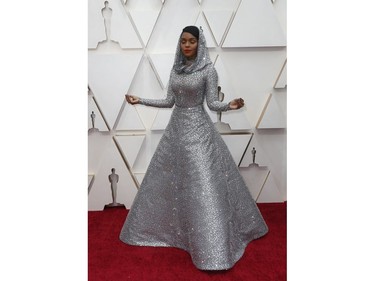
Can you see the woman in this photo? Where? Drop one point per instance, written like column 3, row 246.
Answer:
column 192, row 196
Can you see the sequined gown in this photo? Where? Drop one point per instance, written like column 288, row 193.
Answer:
column 192, row 196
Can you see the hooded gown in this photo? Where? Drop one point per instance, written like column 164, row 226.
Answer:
column 193, row 196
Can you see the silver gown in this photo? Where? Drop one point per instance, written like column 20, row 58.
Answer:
column 192, row 196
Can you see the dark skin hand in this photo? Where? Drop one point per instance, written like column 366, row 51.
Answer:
column 234, row 104
column 132, row 99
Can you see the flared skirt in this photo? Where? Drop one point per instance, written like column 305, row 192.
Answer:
column 193, row 196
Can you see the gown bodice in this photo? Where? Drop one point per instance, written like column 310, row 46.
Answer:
column 187, row 90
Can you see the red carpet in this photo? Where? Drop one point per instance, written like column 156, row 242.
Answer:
column 111, row 260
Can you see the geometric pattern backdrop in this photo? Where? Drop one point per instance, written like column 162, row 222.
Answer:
column 131, row 50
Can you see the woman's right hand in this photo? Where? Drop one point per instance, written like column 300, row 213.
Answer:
column 132, row 99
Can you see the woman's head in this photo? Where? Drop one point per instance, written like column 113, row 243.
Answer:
column 189, row 42
column 191, row 52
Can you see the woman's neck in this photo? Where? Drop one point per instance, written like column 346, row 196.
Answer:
column 190, row 60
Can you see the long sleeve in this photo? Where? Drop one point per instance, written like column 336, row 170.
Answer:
column 167, row 102
column 212, row 98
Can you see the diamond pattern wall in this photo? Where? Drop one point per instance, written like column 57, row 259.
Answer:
column 131, row 46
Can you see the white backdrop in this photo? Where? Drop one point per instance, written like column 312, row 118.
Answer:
column 247, row 42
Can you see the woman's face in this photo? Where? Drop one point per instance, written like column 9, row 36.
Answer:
column 189, row 45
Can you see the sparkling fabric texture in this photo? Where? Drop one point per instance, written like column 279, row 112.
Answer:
column 192, row 196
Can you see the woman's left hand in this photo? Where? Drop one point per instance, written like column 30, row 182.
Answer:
column 236, row 103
